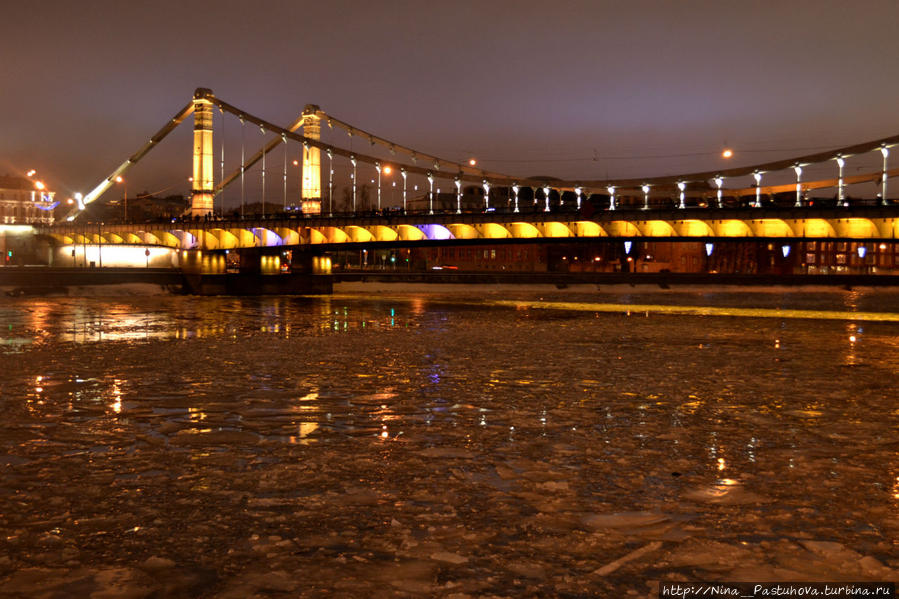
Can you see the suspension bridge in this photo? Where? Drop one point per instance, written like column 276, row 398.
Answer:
column 763, row 201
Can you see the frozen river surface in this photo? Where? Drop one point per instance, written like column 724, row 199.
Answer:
column 446, row 443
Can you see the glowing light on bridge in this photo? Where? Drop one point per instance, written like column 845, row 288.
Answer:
column 645, row 189
column 758, row 189
column 435, row 232
column 577, row 192
column 785, row 250
column 515, row 189
column 611, row 191
column 840, row 164
column 883, row 193
column 719, row 182
column 378, row 168
column 546, row 191
column 709, row 248
column 353, row 162
column 486, row 195
column 682, row 186
column 330, row 183
column 727, row 153
column 403, row 173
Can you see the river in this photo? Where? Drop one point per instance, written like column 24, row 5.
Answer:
column 446, row 441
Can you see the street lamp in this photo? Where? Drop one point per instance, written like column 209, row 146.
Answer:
column 119, row 179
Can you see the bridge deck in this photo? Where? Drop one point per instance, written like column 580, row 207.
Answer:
column 857, row 222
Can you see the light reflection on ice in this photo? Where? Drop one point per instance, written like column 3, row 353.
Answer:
column 259, row 414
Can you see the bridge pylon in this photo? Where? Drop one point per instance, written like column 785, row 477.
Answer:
column 311, row 194
column 202, row 191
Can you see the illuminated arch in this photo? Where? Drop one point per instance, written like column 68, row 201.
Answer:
column 656, row 228
column 693, row 228
column 524, row 230
column 224, row 239
column 622, row 228
column 382, row 233
column 732, row 228
column 316, row 236
column 435, row 232
column 288, row 236
column 463, row 231
column 771, row 227
column 62, row 239
column 206, row 239
column 817, row 227
column 855, row 228
column 358, row 234
column 493, row 231
column 166, row 238
column 556, row 229
column 589, row 228
column 267, row 237
column 410, row 233
column 112, row 238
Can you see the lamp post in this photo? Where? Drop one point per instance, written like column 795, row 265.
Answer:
column 120, row 179
column 378, row 168
column 403, row 173
column 758, row 189
column 840, row 164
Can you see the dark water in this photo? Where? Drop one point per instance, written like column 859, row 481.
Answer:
column 442, row 443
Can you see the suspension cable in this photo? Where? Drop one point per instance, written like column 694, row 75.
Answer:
column 330, row 183
column 222, row 176
column 242, row 167
column 262, row 130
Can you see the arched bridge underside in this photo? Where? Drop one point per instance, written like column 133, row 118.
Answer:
column 868, row 223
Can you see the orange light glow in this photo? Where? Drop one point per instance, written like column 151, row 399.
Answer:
column 296, row 162
column 30, row 173
column 727, row 153
column 119, row 179
column 387, row 170
column 472, row 162
column 39, row 184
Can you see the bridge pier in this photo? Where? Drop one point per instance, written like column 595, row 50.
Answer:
column 259, row 273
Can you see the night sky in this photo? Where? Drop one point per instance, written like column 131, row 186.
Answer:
column 571, row 89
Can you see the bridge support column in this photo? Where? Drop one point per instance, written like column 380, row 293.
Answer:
column 312, row 162
column 202, row 196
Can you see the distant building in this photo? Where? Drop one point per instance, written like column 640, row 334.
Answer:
column 23, row 202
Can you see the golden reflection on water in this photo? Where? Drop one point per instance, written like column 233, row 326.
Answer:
column 417, row 302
